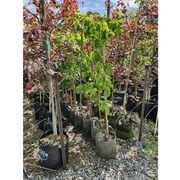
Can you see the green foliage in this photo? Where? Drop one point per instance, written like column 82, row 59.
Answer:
column 93, row 31
column 35, row 144
column 151, row 147
column 144, row 50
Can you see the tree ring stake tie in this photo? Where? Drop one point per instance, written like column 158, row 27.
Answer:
column 48, row 45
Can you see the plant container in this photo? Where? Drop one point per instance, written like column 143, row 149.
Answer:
column 125, row 131
column 106, row 148
column 50, row 155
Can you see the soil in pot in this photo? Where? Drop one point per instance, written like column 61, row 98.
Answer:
column 106, row 148
column 50, row 154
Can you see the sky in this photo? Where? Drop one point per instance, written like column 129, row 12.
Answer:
column 95, row 5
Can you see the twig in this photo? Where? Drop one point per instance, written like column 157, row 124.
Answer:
column 34, row 15
column 40, row 167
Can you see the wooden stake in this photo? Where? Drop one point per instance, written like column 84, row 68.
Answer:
column 143, row 104
column 60, row 123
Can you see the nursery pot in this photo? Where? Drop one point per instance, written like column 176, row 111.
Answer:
column 150, row 111
column 71, row 116
column 64, row 108
column 87, row 126
column 118, row 98
column 78, row 122
column 94, row 127
column 106, row 148
column 125, row 131
column 132, row 106
column 50, row 155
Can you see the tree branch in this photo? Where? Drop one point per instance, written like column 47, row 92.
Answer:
column 33, row 15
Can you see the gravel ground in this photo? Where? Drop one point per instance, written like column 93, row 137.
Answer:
column 131, row 163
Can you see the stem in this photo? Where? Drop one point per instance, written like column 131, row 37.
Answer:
column 80, row 99
column 130, row 62
column 136, row 90
column 90, row 106
column 74, row 95
column 107, row 121
column 66, row 94
column 108, row 8
column 54, row 120
column 70, row 97
column 113, row 93
column 82, row 31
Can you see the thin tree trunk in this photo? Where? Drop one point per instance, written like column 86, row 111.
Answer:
column 90, row 107
column 54, row 120
column 136, row 90
column 108, row 8
column 107, row 121
column 113, row 94
column 99, row 97
column 74, row 95
column 130, row 63
column 70, row 98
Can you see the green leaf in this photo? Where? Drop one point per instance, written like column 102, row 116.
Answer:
column 80, row 88
column 107, row 92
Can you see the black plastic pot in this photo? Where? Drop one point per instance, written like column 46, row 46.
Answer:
column 78, row 122
column 64, row 108
column 70, row 115
column 132, row 106
column 50, row 155
column 150, row 111
column 127, row 126
column 118, row 98
column 125, row 131
column 45, row 119
column 154, row 90
column 87, row 125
